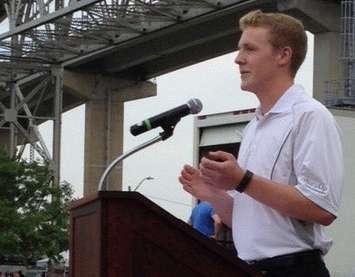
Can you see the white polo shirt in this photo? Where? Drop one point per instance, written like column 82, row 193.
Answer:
column 297, row 143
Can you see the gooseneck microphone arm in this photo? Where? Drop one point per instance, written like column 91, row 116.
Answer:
column 167, row 133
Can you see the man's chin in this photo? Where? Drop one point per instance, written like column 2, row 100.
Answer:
column 244, row 87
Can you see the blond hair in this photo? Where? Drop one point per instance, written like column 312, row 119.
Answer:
column 285, row 30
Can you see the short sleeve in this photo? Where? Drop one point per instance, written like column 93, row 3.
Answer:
column 318, row 159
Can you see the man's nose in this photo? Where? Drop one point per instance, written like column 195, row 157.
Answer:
column 238, row 58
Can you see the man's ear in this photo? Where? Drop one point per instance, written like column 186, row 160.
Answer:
column 284, row 56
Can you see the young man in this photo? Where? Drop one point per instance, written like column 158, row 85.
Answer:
column 289, row 173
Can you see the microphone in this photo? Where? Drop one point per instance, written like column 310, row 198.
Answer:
column 168, row 118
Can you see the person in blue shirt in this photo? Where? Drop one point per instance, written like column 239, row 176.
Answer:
column 204, row 219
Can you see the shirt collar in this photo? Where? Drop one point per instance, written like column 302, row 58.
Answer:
column 284, row 103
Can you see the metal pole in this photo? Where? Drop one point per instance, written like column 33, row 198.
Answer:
column 13, row 130
column 102, row 184
column 11, row 14
column 142, row 181
column 57, row 72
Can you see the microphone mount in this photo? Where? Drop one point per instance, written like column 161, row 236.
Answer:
column 168, row 129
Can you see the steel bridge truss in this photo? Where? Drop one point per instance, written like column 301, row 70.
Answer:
column 21, row 115
column 38, row 38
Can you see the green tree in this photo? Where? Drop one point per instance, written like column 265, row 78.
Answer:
column 34, row 217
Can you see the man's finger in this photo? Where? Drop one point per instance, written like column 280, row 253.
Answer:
column 210, row 164
column 183, row 180
column 206, row 172
column 189, row 169
column 187, row 188
column 219, row 156
column 187, row 176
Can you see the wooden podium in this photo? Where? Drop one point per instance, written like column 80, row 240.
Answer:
column 124, row 234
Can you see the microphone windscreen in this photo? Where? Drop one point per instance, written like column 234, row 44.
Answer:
column 195, row 105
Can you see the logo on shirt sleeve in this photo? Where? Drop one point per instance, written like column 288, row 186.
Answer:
column 317, row 187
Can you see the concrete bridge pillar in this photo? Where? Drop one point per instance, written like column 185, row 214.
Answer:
column 328, row 69
column 104, row 114
column 104, row 117
column 322, row 18
column 103, row 141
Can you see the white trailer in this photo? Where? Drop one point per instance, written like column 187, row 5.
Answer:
column 220, row 131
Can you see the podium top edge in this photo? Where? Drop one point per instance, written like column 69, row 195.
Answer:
column 105, row 195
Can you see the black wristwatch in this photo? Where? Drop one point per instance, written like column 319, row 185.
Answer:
column 245, row 181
